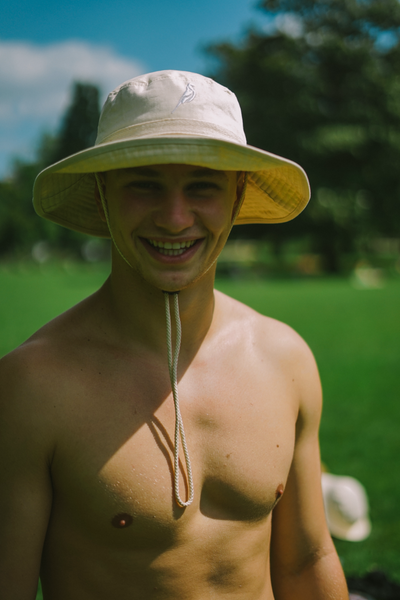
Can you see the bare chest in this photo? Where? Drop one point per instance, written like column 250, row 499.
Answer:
column 113, row 467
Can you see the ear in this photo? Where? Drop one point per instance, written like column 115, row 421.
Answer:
column 240, row 190
column 99, row 180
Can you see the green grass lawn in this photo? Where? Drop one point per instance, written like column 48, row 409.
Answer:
column 354, row 335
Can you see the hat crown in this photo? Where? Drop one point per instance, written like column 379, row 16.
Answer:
column 350, row 501
column 171, row 103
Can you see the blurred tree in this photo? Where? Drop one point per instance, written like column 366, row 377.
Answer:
column 20, row 227
column 321, row 86
column 79, row 125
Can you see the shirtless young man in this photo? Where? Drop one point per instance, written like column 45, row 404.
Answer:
column 87, row 447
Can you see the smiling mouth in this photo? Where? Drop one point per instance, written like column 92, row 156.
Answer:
column 171, row 248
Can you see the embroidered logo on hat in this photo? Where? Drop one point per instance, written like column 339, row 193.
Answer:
column 188, row 95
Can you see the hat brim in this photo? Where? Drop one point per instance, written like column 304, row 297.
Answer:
column 357, row 532
column 277, row 188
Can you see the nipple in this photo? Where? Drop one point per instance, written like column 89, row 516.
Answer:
column 279, row 492
column 122, row 520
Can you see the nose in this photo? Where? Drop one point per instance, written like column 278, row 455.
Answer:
column 174, row 213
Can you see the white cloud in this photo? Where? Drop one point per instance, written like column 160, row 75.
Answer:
column 36, row 84
column 36, row 80
column 290, row 24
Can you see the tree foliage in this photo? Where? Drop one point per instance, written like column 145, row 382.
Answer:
column 79, row 125
column 20, row 227
column 322, row 88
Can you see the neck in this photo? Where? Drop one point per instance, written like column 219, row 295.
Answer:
column 136, row 310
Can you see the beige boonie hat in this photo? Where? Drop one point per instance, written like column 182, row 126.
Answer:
column 170, row 117
column 346, row 507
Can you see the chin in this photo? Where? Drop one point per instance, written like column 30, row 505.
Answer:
column 172, row 286
column 165, row 284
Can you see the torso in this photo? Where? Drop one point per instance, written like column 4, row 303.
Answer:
column 115, row 530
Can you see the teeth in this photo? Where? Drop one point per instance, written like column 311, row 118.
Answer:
column 171, row 248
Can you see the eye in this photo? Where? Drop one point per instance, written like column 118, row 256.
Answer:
column 200, row 186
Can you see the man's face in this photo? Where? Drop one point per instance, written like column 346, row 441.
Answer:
column 171, row 221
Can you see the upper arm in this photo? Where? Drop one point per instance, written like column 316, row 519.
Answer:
column 300, row 514
column 300, row 541
column 25, row 486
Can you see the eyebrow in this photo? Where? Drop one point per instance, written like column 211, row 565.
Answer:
column 202, row 172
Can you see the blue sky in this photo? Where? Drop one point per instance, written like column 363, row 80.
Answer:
column 45, row 46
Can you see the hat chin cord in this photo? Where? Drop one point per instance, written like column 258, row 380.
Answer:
column 173, row 358
column 173, row 375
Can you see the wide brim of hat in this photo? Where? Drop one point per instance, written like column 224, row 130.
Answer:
column 356, row 532
column 277, row 189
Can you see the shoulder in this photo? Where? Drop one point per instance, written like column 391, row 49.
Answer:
column 272, row 341
column 36, row 381
column 25, row 415
column 27, row 370
column 48, row 348
column 32, row 376
column 267, row 334
column 19, row 368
